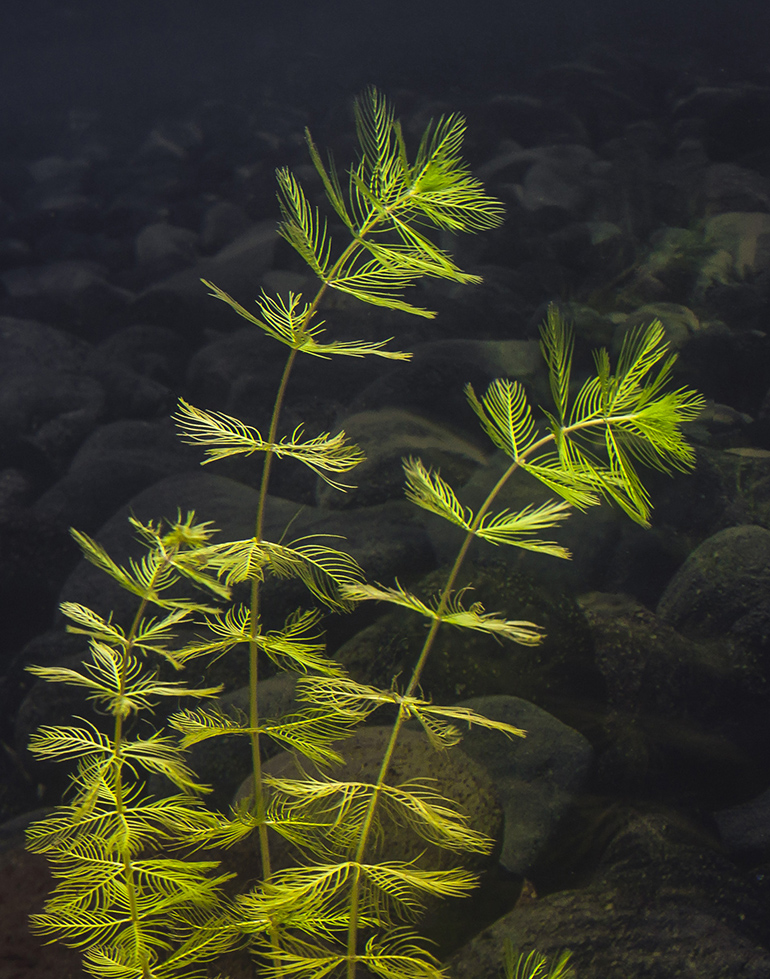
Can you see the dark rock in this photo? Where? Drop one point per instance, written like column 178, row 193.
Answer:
column 740, row 244
column 672, row 266
column 722, row 579
column 536, row 778
column 387, row 437
column 736, row 122
column 532, row 121
column 451, row 774
column 558, row 675
column 592, row 248
column 679, row 324
column 180, row 301
column 432, row 384
column 383, row 539
column 46, row 399
column 222, row 223
column 663, row 905
column 236, row 371
column 728, row 187
column 77, row 289
column 745, row 829
column 113, row 464
column 685, row 717
column 150, row 351
column 558, row 183
column 163, row 248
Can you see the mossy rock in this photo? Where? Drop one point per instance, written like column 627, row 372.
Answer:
column 451, row 774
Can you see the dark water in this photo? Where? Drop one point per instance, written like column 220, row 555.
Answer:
column 133, row 52
column 123, row 65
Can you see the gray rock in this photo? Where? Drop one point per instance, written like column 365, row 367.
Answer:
column 382, row 539
column 679, row 323
column 536, row 778
column 745, row 829
column 451, row 774
column 46, row 398
column 112, row 465
column 740, row 243
column 229, row 368
column 432, row 383
column 558, row 675
column 387, row 437
column 222, row 223
column 663, row 905
column 683, row 716
column 721, row 580
column 181, row 300
column 163, row 248
column 728, row 187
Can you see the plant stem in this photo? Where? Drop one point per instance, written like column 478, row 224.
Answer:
column 120, row 805
column 259, row 799
column 427, row 646
column 254, row 626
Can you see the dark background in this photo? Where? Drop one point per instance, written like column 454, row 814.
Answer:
column 135, row 55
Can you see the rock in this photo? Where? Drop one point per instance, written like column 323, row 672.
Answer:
column 432, row 383
column 73, row 291
column 559, row 675
column 163, row 248
column 181, row 302
column 684, row 716
column 740, row 241
column 113, row 464
column 171, row 138
column 450, row 774
column 593, row 248
column 745, row 829
column 222, row 762
column 531, row 122
column 536, row 778
column 663, row 904
column 150, row 351
column 383, row 539
column 735, row 121
column 222, row 223
column 679, row 323
column 387, row 437
column 607, row 551
column 46, row 399
column 721, row 581
column 557, row 183
column 672, row 266
column 728, row 187
column 231, row 369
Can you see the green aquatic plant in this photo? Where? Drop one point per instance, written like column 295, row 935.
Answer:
column 135, row 909
column 342, row 903
column 535, row 965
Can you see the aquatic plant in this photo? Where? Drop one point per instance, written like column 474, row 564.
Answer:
column 342, row 903
column 535, row 965
column 135, row 910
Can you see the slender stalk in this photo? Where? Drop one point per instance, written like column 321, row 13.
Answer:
column 256, row 759
column 120, row 805
column 354, row 246
column 259, row 794
column 401, row 717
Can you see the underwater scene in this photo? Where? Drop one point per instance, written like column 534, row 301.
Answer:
column 384, row 490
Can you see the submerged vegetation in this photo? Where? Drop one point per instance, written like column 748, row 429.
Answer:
column 131, row 888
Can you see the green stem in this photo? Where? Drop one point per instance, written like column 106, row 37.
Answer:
column 280, row 398
column 120, row 804
column 427, row 646
column 260, row 805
